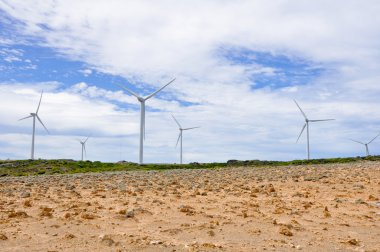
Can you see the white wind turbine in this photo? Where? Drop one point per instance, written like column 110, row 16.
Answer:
column 142, row 116
column 366, row 144
column 83, row 143
column 306, row 125
column 35, row 115
column 180, row 135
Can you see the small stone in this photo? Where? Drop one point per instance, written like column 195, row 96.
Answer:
column 155, row 242
column 106, row 240
column 353, row 242
column 211, row 233
column 3, row 237
column 69, row 236
column 18, row 214
column 360, row 201
column 70, row 187
column 25, row 195
column 372, row 198
column 285, row 231
column 130, row 214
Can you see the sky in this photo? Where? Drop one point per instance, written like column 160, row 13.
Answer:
column 239, row 65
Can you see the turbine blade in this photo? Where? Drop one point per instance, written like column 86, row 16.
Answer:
column 129, row 91
column 86, row 139
column 39, row 102
column 357, row 141
column 303, row 128
column 179, row 136
column 321, row 120
column 152, row 94
column 374, row 138
column 179, row 125
column 191, row 128
column 39, row 119
column 84, row 148
column 25, row 118
column 303, row 113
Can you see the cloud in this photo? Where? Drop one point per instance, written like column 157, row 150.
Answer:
column 86, row 72
column 11, row 55
column 239, row 65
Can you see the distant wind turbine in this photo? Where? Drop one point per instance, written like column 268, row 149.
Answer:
column 35, row 115
column 142, row 116
column 366, row 144
column 306, row 125
column 83, row 143
column 180, row 135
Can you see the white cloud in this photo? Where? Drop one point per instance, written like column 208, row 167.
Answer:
column 151, row 42
column 86, row 72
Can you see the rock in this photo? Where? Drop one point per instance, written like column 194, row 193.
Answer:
column 3, row 237
column 89, row 216
column 18, row 214
column 360, row 201
column 107, row 240
column 354, row 242
column 69, row 236
column 46, row 212
column 186, row 209
column 70, row 187
column 25, row 195
column 130, row 214
column 155, row 242
column 211, row 233
column 285, row 231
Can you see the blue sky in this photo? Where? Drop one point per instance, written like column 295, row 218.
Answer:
column 238, row 66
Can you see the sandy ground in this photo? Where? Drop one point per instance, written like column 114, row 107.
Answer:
column 313, row 208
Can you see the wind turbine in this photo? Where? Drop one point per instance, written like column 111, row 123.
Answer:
column 142, row 116
column 35, row 115
column 180, row 135
column 306, row 125
column 366, row 144
column 83, row 143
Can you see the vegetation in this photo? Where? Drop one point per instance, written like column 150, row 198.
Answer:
column 40, row 167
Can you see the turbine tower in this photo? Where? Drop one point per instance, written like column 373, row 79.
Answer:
column 35, row 115
column 83, row 143
column 142, row 101
column 366, row 144
column 180, row 136
column 306, row 125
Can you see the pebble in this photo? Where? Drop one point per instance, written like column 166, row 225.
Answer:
column 155, row 242
column 25, row 195
column 130, row 214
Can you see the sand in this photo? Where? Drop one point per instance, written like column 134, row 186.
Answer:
column 332, row 207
